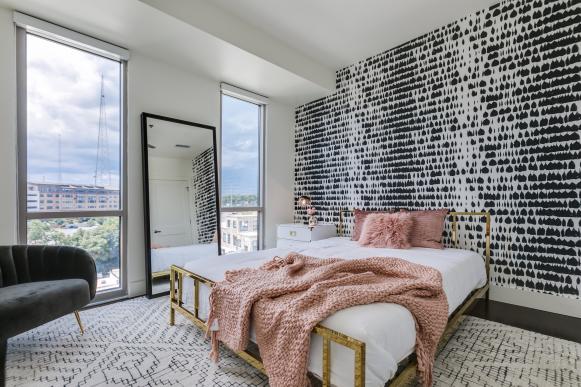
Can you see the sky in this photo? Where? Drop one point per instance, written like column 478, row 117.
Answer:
column 63, row 97
column 240, row 147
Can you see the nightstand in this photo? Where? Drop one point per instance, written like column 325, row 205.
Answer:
column 298, row 235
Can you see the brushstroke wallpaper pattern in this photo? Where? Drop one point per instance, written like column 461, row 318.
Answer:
column 482, row 114
column 204, row 196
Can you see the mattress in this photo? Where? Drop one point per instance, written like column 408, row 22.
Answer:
column 164, row 257
column 387, row 329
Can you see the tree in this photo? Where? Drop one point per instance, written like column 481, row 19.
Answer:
column 98, row 236
column 41, row 233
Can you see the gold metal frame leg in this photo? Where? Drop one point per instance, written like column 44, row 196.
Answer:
column 172, row 293
column 78, row 317
column 172, row 316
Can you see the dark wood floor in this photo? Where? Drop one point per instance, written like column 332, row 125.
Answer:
column 551, row 324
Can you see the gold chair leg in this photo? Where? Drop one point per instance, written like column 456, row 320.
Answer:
column 78, row 317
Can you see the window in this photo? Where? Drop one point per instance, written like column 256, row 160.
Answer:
column 241, row 174
column 71, row 144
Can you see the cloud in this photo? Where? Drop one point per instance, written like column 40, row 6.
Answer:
column 64, row 88
column 240, row 146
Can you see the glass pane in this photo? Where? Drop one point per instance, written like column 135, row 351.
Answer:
column 73, row 128
column 98, row 236
column 239, row 231
column 241, row 122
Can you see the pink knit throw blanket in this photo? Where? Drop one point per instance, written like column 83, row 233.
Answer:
column 287, row 297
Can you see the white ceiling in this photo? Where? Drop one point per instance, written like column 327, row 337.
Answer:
column 148, row 31
column 286, row 50
column 164, row 135
column 338, row 33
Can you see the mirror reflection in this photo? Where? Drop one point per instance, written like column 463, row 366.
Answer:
column 183, row 216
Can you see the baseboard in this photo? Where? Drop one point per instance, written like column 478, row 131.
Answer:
column 136, row 288
column 547, row 302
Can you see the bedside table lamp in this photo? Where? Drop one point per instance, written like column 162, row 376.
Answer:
column 304, row 201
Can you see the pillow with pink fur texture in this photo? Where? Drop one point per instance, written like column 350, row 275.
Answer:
column 359, row 217
column 387, row 230
column 428, row 226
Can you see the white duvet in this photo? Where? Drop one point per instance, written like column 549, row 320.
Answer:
column 387, row 329
column 163, row 257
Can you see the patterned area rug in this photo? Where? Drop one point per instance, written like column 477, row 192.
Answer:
column 129, row 343
column 485, row 353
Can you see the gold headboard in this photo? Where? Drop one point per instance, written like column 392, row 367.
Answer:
column 454, row 215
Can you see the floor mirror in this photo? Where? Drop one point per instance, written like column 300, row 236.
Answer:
column 180, row 185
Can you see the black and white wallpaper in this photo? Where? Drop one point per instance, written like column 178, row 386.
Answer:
column 482, row 114
column 204, row 196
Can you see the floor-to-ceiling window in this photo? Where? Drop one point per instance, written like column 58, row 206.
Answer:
column 71, row 148
column 241, row 173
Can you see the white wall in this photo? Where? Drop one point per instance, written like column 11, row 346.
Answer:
column 8, row 165
column 279, row 170
column 153, row 87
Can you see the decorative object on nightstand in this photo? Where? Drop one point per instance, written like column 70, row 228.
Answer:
column 294, row 235
column 311, row 211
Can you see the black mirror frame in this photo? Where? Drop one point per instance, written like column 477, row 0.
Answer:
column 145, row 171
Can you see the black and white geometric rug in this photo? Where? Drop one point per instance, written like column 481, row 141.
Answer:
column 130, row 343
column 486, row 353
column 127, row 343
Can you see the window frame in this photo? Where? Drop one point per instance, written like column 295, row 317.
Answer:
column 22, row 173
column 262, row 103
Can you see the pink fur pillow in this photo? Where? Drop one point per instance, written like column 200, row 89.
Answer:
column 387, row 230
column 360, row 217
column 428, row 227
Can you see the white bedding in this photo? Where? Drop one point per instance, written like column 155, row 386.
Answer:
column 164, row 257
column 387, row 329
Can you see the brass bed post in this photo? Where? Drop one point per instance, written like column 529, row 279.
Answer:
column 488, row 225
column 360, row 366
column 180, row 288
column 487, row 263
column 326, row 362
column 196, row 298
column 172, row 312
column 454, row 230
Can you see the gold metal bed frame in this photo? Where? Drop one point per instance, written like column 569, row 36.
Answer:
column 177, row 275
column 160, row 274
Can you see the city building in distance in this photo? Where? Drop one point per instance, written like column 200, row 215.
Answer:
column 73, row 197
column 239, row 232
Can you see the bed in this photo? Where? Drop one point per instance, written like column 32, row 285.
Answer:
column 162, row 258
column 372, row 344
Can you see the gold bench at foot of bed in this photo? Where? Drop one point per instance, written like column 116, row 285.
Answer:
column 403, row 378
